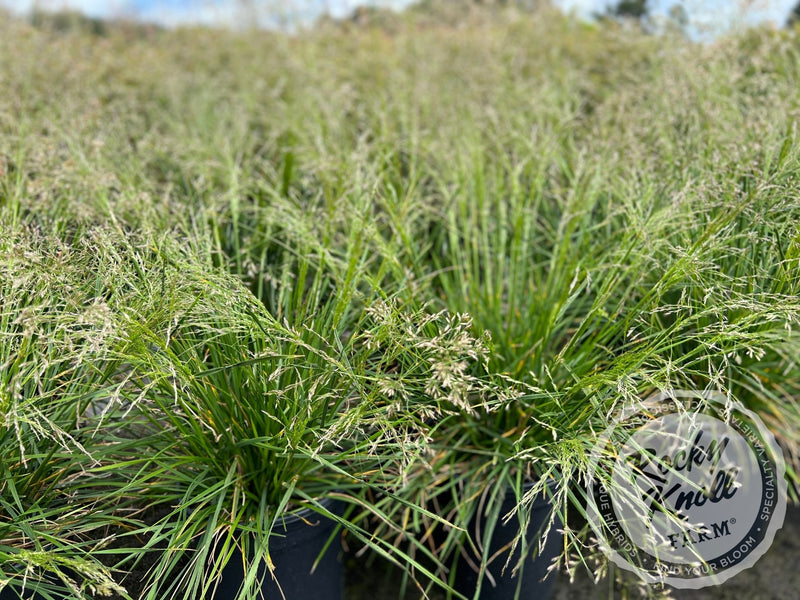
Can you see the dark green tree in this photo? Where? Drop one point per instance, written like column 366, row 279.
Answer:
column 65, row 21
column 794, row 16
column 636, row 9
column 679, row 16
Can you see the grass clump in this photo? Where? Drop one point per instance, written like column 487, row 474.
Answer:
column 53, row 520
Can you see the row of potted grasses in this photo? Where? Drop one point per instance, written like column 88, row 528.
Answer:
column 157, row 401
column 383, row 276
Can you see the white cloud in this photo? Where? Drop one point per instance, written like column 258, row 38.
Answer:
column 582, row 8
column 205, row 13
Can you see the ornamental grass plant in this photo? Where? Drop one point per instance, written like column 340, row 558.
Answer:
column 595, row 309
column 248, row 417
column 55, row 522
column 178, row 419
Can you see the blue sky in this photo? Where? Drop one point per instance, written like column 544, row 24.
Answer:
column 705, row 14
column 702, row 13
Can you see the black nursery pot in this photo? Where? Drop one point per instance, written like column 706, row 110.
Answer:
column 296, row 543
column 534, row 582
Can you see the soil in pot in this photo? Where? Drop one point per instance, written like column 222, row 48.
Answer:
column 534, row 581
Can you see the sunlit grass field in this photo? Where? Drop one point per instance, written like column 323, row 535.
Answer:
column 508, row 225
